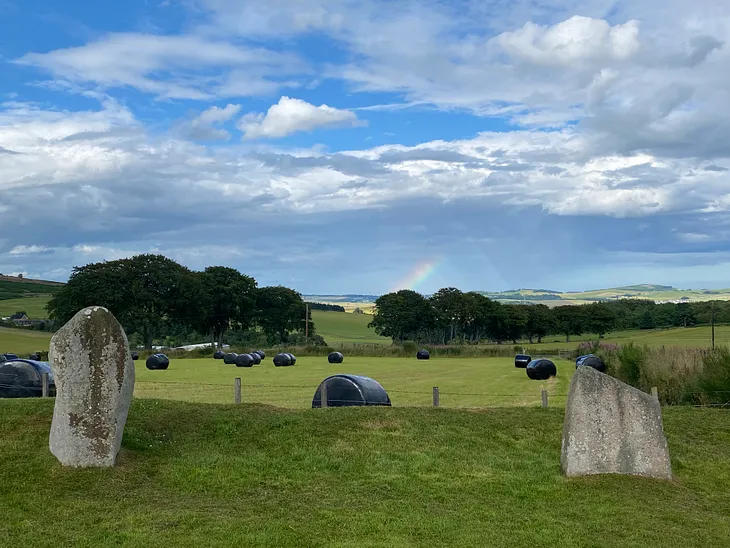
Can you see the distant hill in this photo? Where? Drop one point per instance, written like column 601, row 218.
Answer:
column 15, row 288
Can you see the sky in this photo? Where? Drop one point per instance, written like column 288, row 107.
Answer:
column 341, row 146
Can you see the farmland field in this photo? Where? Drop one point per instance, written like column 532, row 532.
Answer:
column 23, row 341
column 34, row 307
column 463, row 382
column 344, row 327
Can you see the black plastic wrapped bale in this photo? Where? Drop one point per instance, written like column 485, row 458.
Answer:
column 230, row 358
column 135, row 355
column 423, row 355
column 282, row 360
column 157, row 362
column 219, row 355
column 8, row 357
column 244, row 360
column 335, row 357
column 21, row 378
column 35, row 357
column 256, row 357
column 292, row 357
column 262, row 354
column 541, row 369
column 521, row 360
column 349, row 390
column 591, row 360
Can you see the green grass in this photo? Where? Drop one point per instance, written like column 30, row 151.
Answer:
column 34, row 307
column 462, row 382
column 192, row 475
column 23, row 341
column 13, row 288
column 345, row 327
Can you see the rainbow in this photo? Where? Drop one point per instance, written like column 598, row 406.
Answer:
column 419, row 274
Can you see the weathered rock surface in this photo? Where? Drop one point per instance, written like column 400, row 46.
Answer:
column 94, row 374
column 612, row 428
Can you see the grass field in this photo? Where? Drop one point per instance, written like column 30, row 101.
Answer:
column 343, row 327
column 462, row 382
column 23, row 341
column 192, row 475
column 34, row 307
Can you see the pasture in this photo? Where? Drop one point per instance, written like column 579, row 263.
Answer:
column 192, row 475
column 346, row 328
column 462, row 382
column 34, row 307
column 23, row 341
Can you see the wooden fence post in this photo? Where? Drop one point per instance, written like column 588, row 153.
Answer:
column 44, row 385
column 435, row 396
column 544, row 398
column 655, row 392
column 323, row 395
column 237, row 390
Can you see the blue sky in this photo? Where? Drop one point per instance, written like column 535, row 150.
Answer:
column 341, row 147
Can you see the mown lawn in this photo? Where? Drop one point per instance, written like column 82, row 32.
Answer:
column 462, row 382
column 210, row 475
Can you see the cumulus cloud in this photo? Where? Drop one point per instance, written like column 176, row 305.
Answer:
column 291, row 115
column 28, row 249
column 203, row 126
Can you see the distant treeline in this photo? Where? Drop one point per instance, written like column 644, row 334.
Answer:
column 452, row 316
column 327, row 307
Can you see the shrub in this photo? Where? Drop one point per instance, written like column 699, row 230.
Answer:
column 713, row 384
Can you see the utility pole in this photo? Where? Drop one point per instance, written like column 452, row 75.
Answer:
column 306, row 321
column 713, row 325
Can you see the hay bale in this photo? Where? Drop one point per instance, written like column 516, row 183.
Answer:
column 244, row 360
column 219, row 355
column 230, row 358
column 521, row 360
column 8, row 357
column 157, row 362
column 591, row 360
column 35, row 357
column 423, row 355
column 262, row 354
column 293, row 358
column 335, row 357
column 351, row 390
column 541, row 369
column 135, row 355
column 282, row 360
column 21, row 378
column 256, row 357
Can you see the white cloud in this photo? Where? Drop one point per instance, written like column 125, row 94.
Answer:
column 291, row 115
column 28, row 249
column 170, row 66
column 202, row 127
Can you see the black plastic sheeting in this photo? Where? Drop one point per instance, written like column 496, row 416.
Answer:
column 335, row 357
column 157, row 362
column 244, row 360
column 591, row 360
column 282, row 360
column 230, row 358
column 423, row 355
column 219, row 355
column 541, row 369
column 521, row 360
column 135, row 356
column 21, row 378
column 8, row 357
column 351, row 390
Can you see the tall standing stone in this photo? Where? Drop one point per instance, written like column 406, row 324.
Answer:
column 612, row 428
column 94, row 376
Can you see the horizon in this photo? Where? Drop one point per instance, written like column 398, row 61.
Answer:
column 327, row 145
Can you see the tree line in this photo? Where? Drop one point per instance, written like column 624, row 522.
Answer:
column 158, row 299
column 453, row 316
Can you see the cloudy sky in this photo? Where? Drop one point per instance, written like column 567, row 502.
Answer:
column 363, row 146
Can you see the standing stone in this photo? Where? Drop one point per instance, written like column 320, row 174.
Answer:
column 612, row 428
column 94, row 375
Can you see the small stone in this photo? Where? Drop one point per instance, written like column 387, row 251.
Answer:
column 612, row 428
column 94, row 375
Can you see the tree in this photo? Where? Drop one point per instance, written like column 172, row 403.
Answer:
column 144, row 292
column 600, row 319
column 540, row 322
column 684, row 315
column 449, row 308
column 402, row 315
column 569, row 320
column 280, row 311
column 231, row 299
column 516, row 320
